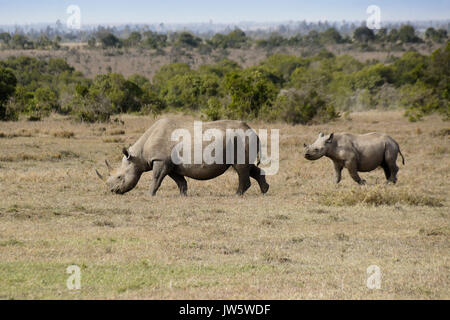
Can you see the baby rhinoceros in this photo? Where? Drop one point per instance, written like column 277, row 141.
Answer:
column 357, row 152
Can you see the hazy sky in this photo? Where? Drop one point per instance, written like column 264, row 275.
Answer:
column 227, row 11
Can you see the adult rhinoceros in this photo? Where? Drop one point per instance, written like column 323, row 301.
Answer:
column 154, row 151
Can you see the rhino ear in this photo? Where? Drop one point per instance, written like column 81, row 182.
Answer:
column 126, row 153
column 304, row 145
column 330, row 138
column 321, row 134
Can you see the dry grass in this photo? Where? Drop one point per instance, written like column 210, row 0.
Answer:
column 63, row 134
column 378, row 196
column 306, row 238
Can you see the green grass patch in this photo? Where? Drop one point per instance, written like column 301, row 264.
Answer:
column 37, row 280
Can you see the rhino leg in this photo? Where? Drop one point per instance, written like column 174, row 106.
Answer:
column 244, row 177
column 255, row 173
column 181, row 182
column 352, row 168
column 160, row 171
column 387, row 171
column 390, row 159
column 338, row 171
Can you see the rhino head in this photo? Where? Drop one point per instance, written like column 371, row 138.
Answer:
column 126, row 176
column 319, row 148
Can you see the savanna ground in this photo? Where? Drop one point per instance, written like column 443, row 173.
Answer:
column 305, row 239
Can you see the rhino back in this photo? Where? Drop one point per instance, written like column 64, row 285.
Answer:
column 369, row 147
column 157, row 142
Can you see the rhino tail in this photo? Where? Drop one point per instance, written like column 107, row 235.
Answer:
column 258, row 153
column 403, row 158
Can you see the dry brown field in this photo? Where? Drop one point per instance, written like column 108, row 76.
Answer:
column 307, row 238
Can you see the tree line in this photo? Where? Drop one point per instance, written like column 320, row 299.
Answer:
column 282, row 87
column 105, row 38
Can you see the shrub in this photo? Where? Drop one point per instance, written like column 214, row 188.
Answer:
column 109, row 40
column 407, row 34
column 284, row 65
column 418, row 100
column 437, row 77
column 44, row 101
column 8, row 83
column 10, row 111
column 186, row 39
column 330, row 35
column 363, row 34
column 273, row 41
column 250, row 92
column 183, row 91
column 436, row 35
column 92, row 108
column 123, row 94
column 151, row 103
column 213, row 111
column 235, row 39
column 409, row 68
column 301, row 107
column 155, row 40
column 372, row 77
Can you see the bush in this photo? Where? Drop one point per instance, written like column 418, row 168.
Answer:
column 330, row 36
column 183, row 91
column 434, row 35
column 274, row 40
column 123, row 94
column 363, row 34
column 8, row 83
column 249, row 92
column 155, row 40
column 301, row 107
column 214, row 110
column 284, row 65
column 151, row 103
column 109, row 40
column 44, row 101
column 372, row 77
column 437, row 76
column 235, row 39
column 186, row 39
column 407, row 34
column 409, row 68
column 418, row 100
column 10, row 111
column 92, row 108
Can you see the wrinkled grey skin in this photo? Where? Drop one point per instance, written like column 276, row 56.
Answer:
column 153, row 152
column 357, row 153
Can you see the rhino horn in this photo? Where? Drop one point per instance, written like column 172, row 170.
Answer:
column 108, row 166
column 99, row 175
